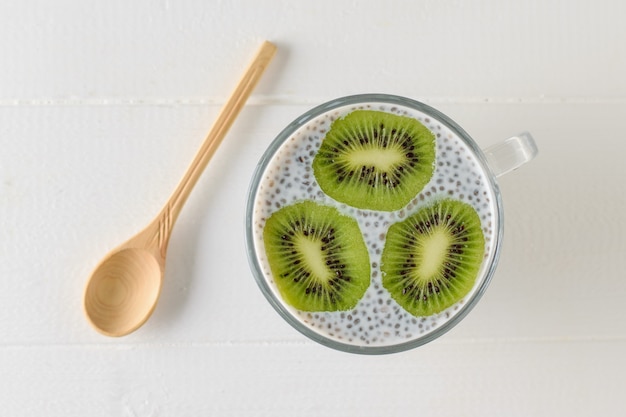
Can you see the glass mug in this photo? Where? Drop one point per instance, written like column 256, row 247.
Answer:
column 378, row 323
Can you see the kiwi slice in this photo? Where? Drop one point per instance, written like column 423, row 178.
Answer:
column 317, row 256
column 431, row 260
column 375, row 160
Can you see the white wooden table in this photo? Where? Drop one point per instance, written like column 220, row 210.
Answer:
column 103, row 104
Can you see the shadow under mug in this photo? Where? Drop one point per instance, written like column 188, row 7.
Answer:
column 378, row 325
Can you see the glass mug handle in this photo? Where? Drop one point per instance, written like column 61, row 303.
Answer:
column 510, row 154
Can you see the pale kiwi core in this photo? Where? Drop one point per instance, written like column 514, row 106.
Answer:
column 312, row 253
column 383, row 159
column 432, row 252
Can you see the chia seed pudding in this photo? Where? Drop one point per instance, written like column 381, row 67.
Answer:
column 377, row 321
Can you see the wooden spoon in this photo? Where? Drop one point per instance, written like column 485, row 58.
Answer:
column 124, row 288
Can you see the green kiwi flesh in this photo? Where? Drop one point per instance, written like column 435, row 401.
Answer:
column 317, row 256
column 431, row 260
column 375, row 160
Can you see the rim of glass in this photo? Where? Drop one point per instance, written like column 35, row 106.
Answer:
column 256, row 268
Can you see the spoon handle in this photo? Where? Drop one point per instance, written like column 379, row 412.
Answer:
column 224, row 121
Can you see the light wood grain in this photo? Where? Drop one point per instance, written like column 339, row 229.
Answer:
column 174, row 52
column 304, row 379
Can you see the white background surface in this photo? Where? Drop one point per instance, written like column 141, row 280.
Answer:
column 103, row 105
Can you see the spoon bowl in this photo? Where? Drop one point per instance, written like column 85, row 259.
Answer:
column 123, row 290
